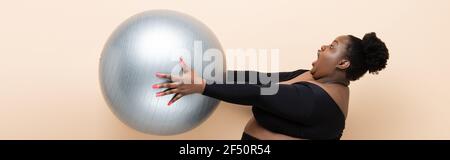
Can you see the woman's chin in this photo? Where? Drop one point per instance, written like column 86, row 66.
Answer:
column 313, row 73
column 312, row 70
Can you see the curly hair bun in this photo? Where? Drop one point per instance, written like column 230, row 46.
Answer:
column 376, row 53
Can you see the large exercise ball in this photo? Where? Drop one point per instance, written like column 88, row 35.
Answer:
column 143, row 45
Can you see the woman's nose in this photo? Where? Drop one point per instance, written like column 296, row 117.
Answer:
column 323, row 47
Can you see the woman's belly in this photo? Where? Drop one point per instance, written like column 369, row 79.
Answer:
column 254, row 129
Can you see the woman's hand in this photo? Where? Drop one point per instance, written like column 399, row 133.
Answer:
column 189, row 82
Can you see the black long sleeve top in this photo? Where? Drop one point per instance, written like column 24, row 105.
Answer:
column 302, row 109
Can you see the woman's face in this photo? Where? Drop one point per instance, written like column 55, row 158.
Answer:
column 330, row 57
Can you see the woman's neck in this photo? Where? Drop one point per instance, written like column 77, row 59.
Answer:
column 336, row 77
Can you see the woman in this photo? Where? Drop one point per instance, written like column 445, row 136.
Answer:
column 309, row 104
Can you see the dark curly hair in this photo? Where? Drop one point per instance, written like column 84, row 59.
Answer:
column 367, row 54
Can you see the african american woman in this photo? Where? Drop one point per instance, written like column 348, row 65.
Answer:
column 310, row 104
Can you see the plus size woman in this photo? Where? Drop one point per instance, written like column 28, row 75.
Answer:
column 310, row 104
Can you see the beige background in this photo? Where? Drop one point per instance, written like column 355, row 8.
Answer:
column 49, row 52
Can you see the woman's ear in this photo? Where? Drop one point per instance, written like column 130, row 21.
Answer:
column 343, row 64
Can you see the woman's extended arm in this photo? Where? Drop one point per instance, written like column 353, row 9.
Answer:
column 245, row 77
column 290, row 101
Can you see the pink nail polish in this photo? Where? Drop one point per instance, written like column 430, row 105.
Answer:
column 158, row 94
column 155, row 86
column 168, row 104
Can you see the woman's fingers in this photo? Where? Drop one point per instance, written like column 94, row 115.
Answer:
column 184, row 66
column 175, row 98
column 162, row 75
column 166, row 85
column 173, row 78
column 167, row 92
column 173, row 87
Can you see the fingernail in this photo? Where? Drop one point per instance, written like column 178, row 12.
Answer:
column 155, row 86
column 159, row 94
column 168, row 104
